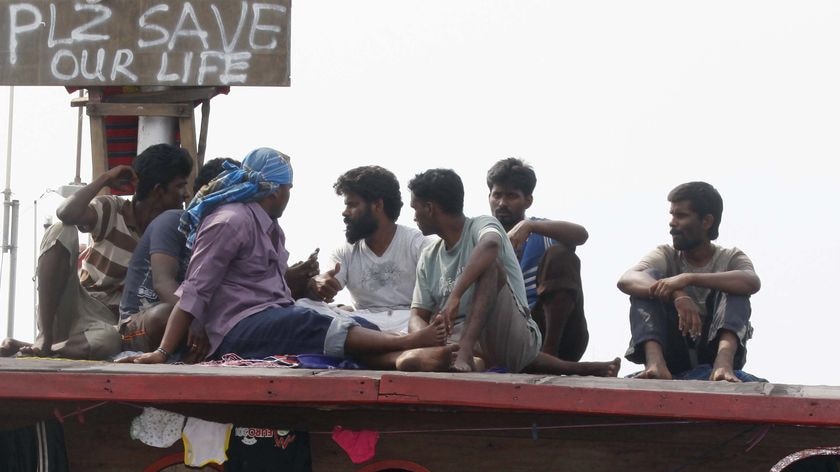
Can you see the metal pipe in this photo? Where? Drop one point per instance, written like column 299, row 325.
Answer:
column 9, row 140
column 13, row 240
column 78, row 178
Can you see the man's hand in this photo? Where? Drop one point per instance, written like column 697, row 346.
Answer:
column 121, row 178
column 326, row 285
column 198, row 346
column 519, row 234
column 664, row 289
column 299, row 274
column 154, row 357
column 450, row 312
column 689, row 316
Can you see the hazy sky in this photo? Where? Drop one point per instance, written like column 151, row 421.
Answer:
column 612, row 102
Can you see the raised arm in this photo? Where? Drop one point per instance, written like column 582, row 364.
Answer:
column 569, row 234
column 76, row 210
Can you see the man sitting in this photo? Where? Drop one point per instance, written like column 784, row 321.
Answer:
column 77, row 311
column 155, row 271
column 546, row 253
column 379, row 261
column 689, row 303
column 472, row 279
column 235, row 283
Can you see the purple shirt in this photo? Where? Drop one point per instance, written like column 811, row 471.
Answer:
column 236, row 269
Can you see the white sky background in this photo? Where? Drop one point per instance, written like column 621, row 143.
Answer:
column 612, row 102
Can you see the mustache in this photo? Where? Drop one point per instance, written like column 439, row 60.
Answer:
column 675, row 232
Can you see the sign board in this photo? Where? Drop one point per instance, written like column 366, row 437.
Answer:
column 144, row 42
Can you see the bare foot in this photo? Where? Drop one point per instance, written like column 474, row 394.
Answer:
column 42, row 347
column 9, row 347
column 428, row 359
column 464, row 361
column 655, row 371
column 724, row 373
column 599, row 369
column 432, row 335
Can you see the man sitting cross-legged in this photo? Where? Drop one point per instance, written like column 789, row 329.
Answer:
column 155, row 271
column 379, row 261
column 689, row 303
column 235, row 283
column 77, row 311
column 472, row 279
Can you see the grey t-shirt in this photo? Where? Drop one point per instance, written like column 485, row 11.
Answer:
column 671, row 262
column 161, row 237
column 439, row 268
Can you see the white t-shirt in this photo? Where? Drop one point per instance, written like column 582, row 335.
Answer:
column 381, row 283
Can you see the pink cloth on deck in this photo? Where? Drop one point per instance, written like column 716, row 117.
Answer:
column 359, row 445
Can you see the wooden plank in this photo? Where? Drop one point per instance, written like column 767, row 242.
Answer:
column 178, row 110
column 98, row 140
column 776, row 408
column 188, row 142
column 182, row 388
column 126, row 42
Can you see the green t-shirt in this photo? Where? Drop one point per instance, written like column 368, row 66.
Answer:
column 439, row 268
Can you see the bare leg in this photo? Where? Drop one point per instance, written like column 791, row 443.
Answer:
column 362, row 341
column 546, row 364
column 723, row 367
column 427, row 359
column 53, row 272
column 655, row 366
column 486, row 289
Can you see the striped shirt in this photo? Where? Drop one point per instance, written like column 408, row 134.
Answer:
column 105, row 262
column 532, row 253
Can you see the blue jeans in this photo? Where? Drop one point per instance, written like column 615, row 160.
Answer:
column 288, row 330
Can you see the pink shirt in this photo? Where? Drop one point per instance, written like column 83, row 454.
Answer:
column 236, row 269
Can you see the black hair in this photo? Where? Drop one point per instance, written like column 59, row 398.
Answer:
column 704, row 200
column 159, row 165
column 372, row 183
column 210, row 170
column 512, row 172
column 441, row 186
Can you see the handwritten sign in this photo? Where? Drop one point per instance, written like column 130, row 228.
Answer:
column 143, row 42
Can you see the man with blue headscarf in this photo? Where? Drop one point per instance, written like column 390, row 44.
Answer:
column 235, row 282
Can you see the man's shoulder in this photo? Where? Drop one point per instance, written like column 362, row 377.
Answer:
column 230, row 213
column 166, row 219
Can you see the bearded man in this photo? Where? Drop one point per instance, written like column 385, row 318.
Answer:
column 379, row 260
column 689, row 303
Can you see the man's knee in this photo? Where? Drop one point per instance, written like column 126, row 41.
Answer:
column 559, row 270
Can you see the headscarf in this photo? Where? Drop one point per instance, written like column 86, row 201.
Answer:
column 263, row 171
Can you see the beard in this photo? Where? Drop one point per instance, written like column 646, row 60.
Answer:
column 360, row 228
column 685, row 243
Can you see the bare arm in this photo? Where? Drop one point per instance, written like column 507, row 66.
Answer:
column 636, row 282
column 76, row 210
column 165, row 277
column 568, row 234
column 736, row 282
